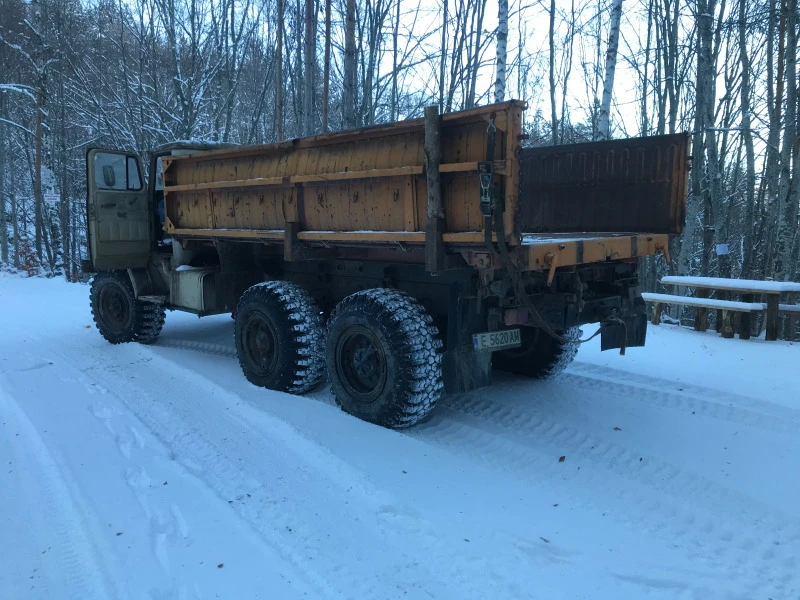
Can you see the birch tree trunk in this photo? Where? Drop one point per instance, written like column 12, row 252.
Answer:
column 326, row 75
column 349, row 91
column 502, row 52
column 310, row 44
column 38, row 141
column 443, row 59
column 603, row 119
column 552, row 72
column 15, row 228
column 395, row 54
column 747, row 135
column 705, row 95
column 788, row 185
column 774, row 105
column 279, row 133
column 3, row 220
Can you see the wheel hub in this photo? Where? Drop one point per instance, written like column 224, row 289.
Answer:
column 361, row 364
column 259, row 339
column 114, row 308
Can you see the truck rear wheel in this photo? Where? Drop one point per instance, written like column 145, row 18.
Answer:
column 280, row 337
column 119, row 316
column 384, row 358
column 541, row 356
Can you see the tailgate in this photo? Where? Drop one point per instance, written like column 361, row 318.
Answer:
column 638, row 184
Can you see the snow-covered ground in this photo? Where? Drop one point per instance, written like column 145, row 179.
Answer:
column 159, row 473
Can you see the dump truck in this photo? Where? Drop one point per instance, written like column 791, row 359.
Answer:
column 403, row 261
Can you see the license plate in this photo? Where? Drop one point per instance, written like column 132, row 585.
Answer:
column 497, row 340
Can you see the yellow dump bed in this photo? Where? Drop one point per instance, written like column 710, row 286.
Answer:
column 369, row 187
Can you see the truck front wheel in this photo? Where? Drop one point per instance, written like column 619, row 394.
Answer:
column 118, row 314
column 280, row 337
column 541, row 356
column 384, row 358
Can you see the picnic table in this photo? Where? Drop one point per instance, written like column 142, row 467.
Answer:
column 747, row 289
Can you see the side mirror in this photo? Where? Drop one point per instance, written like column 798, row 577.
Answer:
column 108, row 176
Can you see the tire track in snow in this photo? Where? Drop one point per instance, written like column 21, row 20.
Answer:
column 708, row 534
column 196, row 346
column 190, row 448
column 609, row 381
column 528, row 446
column 164, row 525
column 263, row 503
column 74, row 553
column 704, row 401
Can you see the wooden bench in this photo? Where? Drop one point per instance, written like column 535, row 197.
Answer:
column 725, row 307
column 659, row 300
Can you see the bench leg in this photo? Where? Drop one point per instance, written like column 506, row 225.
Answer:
column 700, row 313
column 657, row 308
column 727, row 324
column 721, row 295
column 744, row 320
column 772, row 317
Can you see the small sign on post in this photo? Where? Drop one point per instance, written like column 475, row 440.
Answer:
column 722, row 249
column 52, row 198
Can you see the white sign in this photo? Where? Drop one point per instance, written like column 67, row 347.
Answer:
column 52, row 198
column 722, row 249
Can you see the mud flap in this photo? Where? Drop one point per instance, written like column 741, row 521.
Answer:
column 465, row 370
column 633, row 333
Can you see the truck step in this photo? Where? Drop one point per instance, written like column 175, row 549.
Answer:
column 153, row 299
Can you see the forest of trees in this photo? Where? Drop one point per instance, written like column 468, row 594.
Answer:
column 135, row 74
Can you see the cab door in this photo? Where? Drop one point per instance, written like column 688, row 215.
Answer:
column 119, row 226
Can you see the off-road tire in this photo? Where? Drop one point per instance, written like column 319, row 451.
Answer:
column 280, row 337
column 150, row 323
column 402, row 351
column 118, row 315
column 541, row 356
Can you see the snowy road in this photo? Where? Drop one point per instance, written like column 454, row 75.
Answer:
column 159, row 472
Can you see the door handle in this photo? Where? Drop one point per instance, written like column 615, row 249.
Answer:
column 108, row 205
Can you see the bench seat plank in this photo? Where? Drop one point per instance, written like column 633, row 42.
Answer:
column 705, row 302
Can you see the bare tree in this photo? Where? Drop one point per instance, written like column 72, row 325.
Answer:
column 611, row 67
column 552, row 71
column 279, row 110
column 502, row 40
column 747, row 135
column 326, row 72
column 788, row 186
column 349, row 87
column 310, row 67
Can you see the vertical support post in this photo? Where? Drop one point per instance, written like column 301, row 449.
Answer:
column 792, row 318
column 701, row 313
column 657, row 308
column 15, row 228
column 772, row 317
column 435, row 226
column 290, row 242
column 721, row 295
column 745, row 324
column 727, row 324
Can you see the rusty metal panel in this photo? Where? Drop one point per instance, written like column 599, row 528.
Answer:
column 634, row 185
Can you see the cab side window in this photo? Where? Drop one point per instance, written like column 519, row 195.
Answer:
column 116, row 172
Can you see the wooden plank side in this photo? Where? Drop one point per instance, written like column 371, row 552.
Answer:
column 255, row 187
